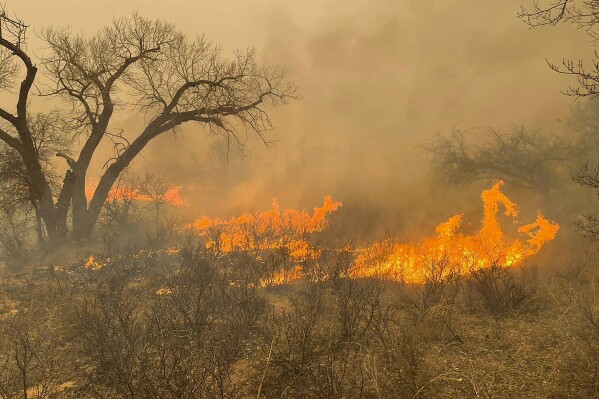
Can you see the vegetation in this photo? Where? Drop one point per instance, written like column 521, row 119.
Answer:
column 133, row 66
column 521, row 158
column 196, row 325
column 268, row 305
column 582, row 14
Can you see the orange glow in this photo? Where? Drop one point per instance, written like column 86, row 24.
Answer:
column 172, row 195
column 273, row 229
column 282, row 276
column 449, row 252
column 453, row 252
column 91, row 263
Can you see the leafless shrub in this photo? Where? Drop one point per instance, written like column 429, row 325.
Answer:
column 522, row 157
column 137, row 334
column 500, row 289
column 298, row 344
column 340, row 374
column 162, row 234
column 440, row 286
column 404, row 364
column 577, row 368
column 197, row 325
column 357, row 304
column 120, row 223
column 16, row 228
column 30, row 351
column 341, row 261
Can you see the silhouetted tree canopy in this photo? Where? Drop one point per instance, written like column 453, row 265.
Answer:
column 521, row 157
column 584, row 14
column 132, row 66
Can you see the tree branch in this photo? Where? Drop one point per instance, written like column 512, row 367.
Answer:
column 13, row 142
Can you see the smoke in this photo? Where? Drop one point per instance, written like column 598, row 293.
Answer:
column 378, row 79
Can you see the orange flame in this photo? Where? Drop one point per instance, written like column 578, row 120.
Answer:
column 453, row 252
column 448, row 252
column 171, row 196
column 273, row 229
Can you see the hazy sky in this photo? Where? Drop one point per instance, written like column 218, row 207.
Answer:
column 378, row 78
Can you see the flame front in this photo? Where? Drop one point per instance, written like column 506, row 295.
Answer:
column 450, row 252
column 453, row 252
column 171, row 196
column 273, row 229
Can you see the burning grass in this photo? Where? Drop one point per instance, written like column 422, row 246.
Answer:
column 171, row 194
column 459, row 253
column 347, row 329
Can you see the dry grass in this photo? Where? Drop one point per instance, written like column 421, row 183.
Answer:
column 211, row 332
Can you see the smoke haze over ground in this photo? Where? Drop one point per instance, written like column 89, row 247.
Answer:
column 436, row 224
column 377, row 80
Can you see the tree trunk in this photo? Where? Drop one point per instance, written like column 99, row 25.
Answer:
column 56, row 226
column 83, row 226
column 83, row 223
column 39, row 228
column 41, row 193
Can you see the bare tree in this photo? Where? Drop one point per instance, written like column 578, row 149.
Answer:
column 584, row 14
column 522, row 158
column 584, row 121
column 588, row 223
column 134, row 65
column 14, row 178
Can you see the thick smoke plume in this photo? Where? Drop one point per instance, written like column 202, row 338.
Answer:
column 377, row 78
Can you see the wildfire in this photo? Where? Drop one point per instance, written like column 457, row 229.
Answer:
column 273, row 229
column 91, row 263
column 172, row 195
column 449, row 252
column 453, row 252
